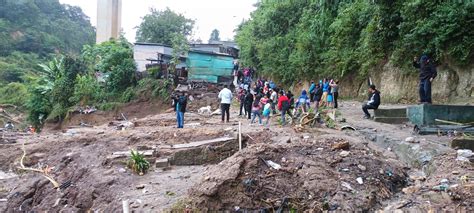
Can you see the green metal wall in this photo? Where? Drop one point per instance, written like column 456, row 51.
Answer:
column 208, row 67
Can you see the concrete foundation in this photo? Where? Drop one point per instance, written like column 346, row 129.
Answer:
column 426, row 114
column 462, row 143
column 391, row 116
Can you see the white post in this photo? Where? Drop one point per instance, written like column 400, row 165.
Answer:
column 125, row 206
column 240, row 135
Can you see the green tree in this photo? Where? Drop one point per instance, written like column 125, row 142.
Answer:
column 214, row 36
column 114, row 58
column 159, row 26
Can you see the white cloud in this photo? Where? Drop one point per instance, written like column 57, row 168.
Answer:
column 223, row 15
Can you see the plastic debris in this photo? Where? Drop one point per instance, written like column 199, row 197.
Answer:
column 273, row 165
column 347, row 185
column 360, row 181
column 344, row 153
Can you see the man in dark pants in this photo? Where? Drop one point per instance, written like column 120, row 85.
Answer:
column 373, row 102
column 226, row 99
column 427, row 74
column 248, row 103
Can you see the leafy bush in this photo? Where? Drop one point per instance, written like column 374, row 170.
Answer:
column 14, row 93
column 137, row 163
column 87, row 90
column 115, row 58
column 39, row 106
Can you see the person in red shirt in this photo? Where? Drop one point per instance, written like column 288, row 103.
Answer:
column 283, row 106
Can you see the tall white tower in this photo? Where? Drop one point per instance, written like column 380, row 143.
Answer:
column 109, row 19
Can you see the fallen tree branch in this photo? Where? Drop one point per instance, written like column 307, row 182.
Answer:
column 44, row 172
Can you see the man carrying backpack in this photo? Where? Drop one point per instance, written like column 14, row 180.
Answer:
column 179, row 105
column 283, row 106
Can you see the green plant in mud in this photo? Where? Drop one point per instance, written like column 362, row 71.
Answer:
column 137, row 163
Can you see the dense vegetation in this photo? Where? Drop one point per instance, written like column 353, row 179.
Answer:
column 32, row 32
column 50, row 66
column 42, row 27
column 293, row 40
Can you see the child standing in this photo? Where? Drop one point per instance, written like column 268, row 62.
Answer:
column 267, row 109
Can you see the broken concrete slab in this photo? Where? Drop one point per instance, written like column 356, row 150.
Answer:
column 391, row 112
column 462, row 143
column 391, row 120
column 162, row 163
column 201, row 143
column 146, row 153
column 209, row 153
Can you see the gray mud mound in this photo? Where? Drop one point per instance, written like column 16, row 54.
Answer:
column 313, row 176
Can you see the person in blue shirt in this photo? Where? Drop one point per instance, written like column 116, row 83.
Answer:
column 303, row 102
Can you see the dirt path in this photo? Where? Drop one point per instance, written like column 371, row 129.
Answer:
column 377, row 154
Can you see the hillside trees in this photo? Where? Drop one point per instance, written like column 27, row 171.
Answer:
column 338, row 38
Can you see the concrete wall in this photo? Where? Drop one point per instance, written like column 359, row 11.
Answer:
column 109, row 19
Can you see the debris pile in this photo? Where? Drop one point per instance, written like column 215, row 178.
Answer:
column 299, row 176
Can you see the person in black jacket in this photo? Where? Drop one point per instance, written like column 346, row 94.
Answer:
column 373, row 102
column 248, row 100
column 427, row 75
column 179, row 105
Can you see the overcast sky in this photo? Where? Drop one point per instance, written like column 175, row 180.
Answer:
column 223, row 15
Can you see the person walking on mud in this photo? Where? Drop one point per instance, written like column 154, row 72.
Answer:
column 427, row 74
column 225, row 95
column 179, row 105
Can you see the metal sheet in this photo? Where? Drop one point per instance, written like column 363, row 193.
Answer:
column 208, row 66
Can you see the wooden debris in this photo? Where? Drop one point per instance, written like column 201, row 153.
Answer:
column 44, row 171
column 341, row 145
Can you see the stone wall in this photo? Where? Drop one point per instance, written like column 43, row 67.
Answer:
column 452, row 85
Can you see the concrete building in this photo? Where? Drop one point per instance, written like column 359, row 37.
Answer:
column 109, row 19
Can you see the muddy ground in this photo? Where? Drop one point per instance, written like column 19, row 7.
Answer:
column 369, row 169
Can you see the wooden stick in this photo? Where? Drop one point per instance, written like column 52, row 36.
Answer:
column 240, row 135
column 454, row 123
column 44, row 171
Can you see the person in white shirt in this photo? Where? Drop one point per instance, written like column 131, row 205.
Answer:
column 274, row 98
column 226, row 99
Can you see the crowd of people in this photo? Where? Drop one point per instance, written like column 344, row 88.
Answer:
column 264, row 98
column 260, row 99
